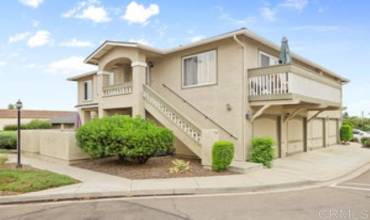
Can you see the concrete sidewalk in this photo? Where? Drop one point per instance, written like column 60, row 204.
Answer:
column 298, row 170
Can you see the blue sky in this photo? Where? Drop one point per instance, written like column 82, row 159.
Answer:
column 42, row 42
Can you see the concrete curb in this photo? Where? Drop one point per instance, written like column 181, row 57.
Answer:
column 11, row 200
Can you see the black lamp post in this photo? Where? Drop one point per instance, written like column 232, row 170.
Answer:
column 19, row 106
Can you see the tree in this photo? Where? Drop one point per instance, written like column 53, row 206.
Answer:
column 11, row 106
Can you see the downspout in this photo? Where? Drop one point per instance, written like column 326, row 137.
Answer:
column 244, row 95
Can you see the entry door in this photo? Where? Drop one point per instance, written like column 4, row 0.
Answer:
column 268, row 126
column 295, row 135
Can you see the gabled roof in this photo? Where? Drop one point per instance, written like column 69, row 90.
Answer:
column 65, row 119
column 34, row 114
column 82, row 75
column 108, row 45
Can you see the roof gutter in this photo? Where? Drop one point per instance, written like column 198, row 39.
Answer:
column 244, row 94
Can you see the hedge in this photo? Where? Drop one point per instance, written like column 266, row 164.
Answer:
column 365, row 141
column 8, row 140
column 34, row 124
column 222, row 155
column 262, row 151
column 346, row 133
column 131, row 139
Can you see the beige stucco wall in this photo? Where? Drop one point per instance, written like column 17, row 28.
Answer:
column 211, row 100
column 56, row 144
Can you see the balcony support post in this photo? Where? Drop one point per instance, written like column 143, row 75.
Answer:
column 138, row 80
column 259, row 112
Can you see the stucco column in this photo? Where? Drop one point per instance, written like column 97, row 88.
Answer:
column 138, row 80
column 209, row 137
column 284, row 136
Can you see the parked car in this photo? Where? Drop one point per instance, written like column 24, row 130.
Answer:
column 358, row 134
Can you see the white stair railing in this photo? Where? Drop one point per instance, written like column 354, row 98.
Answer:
column 269, row 84
column 121, row 89
column 170, row 112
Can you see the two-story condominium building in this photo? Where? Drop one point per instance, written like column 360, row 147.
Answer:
column 228, row 87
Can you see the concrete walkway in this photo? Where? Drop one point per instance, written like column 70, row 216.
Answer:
column 297, row 170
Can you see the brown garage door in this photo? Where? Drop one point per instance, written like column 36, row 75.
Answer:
column 267, row 126
column 315, row 134
column 295, row 135
column 332, row 131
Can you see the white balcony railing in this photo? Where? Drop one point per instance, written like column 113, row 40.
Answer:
column 292, row 81
column 271, row 84
column 121, row 89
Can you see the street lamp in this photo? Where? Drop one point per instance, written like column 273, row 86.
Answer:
column 19, row 106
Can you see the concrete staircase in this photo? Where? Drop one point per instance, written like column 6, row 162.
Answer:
column 168, row 115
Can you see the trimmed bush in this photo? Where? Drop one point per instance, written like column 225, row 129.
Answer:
column 346, row 133
column 262, row 151
column 8, row 140
column 365, row 141
column 222, row 155
column 38, row 124
column 34, row 124
column 131, row 139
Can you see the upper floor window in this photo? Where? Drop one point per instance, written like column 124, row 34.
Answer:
column 199, row 69
column 110, row 78
column 88, row 90
column 267, row 59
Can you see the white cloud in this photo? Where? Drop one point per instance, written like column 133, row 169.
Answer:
column 197, row 38
column 31, row 3
column 2, row 63
column 137, row 13
column 76, row 43
column 318, row 28
column 89, row 10
column 69, row 66
column 268, row 13
column 40, row 38
column 140, row 41
column 295, row 4
column 35, row 23
column 227, row 18
column 19, row 37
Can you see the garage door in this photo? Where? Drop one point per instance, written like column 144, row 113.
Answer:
column 332, row 131
column 267, row 126
column 315, row 134
column 295, row 135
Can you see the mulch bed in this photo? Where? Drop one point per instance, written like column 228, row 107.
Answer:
column 156, row 167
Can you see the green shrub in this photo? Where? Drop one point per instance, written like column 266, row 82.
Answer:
column 365, row 141
column 3, row 159
column 132, row 139
column 262, row 151
column 222, row 155
column 8, row 140
column 346, row 133
column 34, row 124
column 38, row 124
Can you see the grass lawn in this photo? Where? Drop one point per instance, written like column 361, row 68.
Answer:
column 29, row 179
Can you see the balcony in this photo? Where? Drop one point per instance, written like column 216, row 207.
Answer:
column 292, row 84
column 116, row 90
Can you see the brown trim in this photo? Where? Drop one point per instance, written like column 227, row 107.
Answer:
column 279, row 134
column 305, row 134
